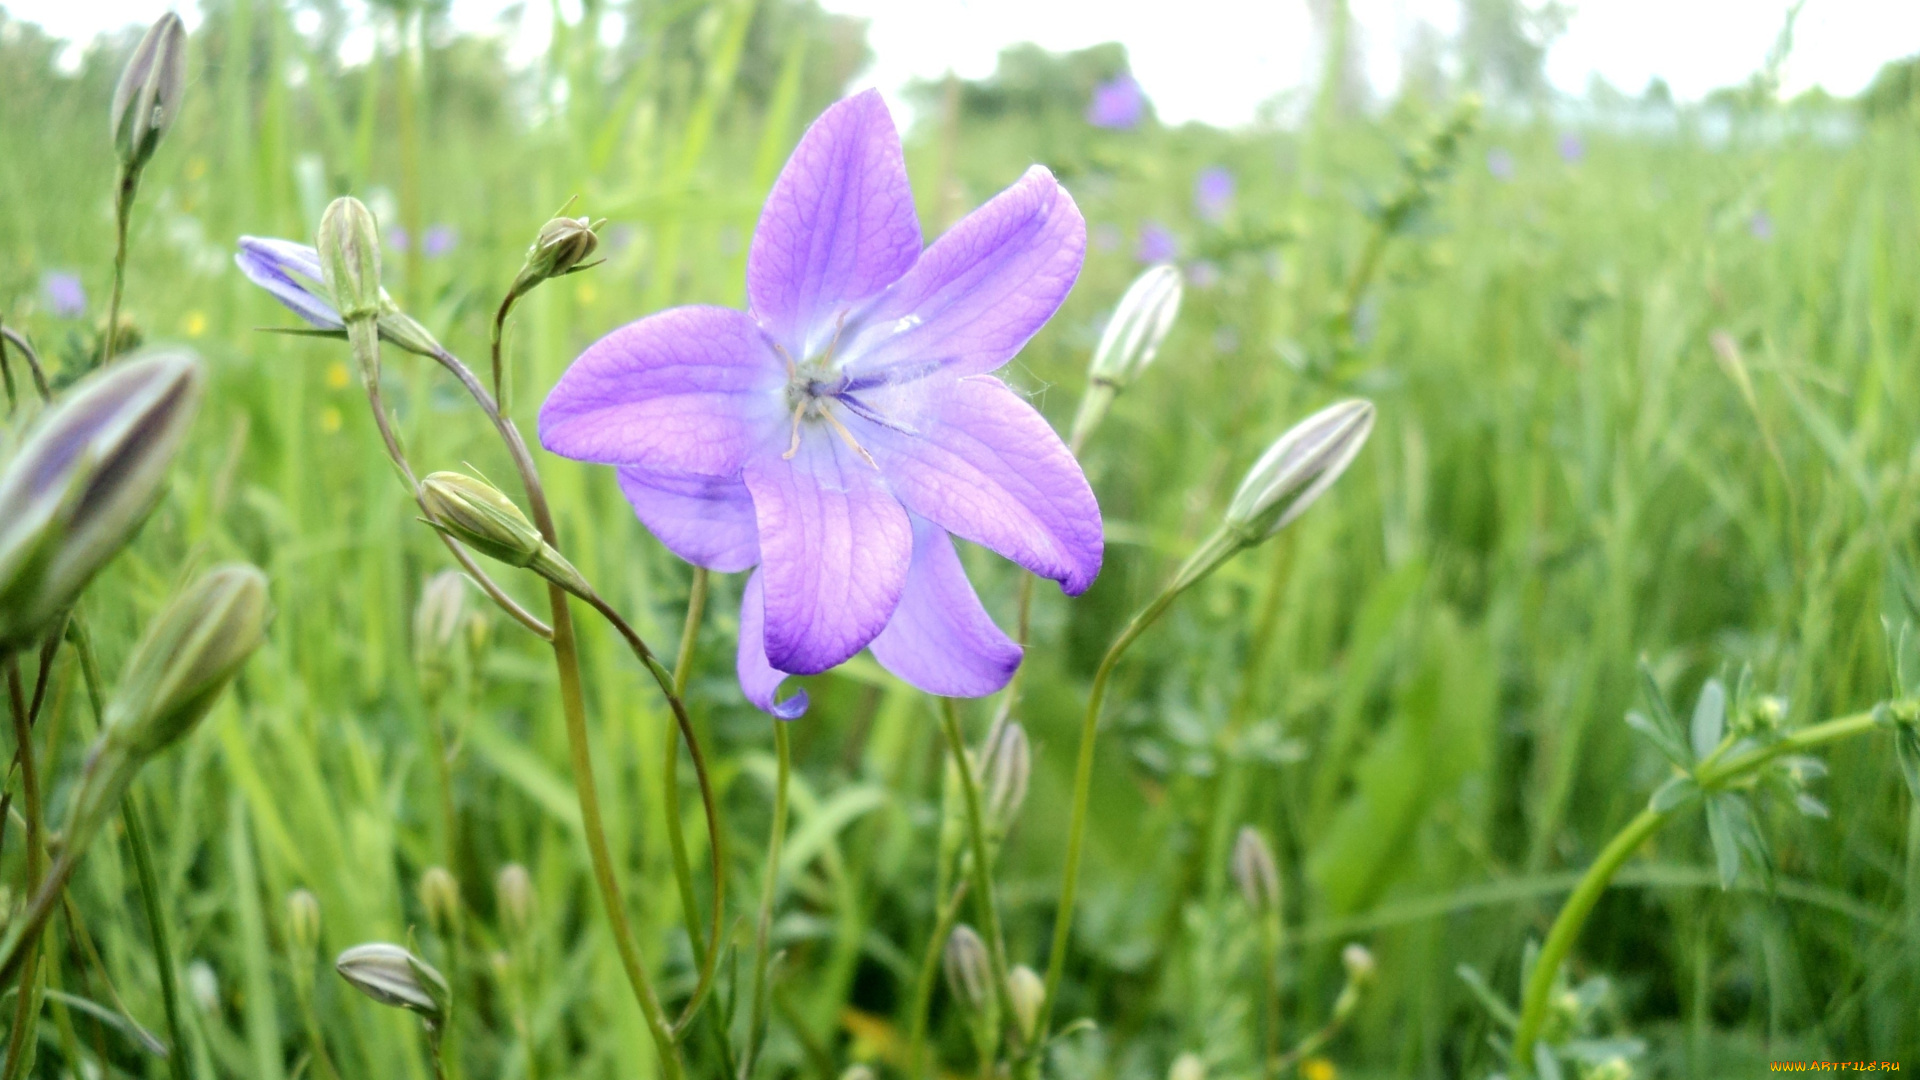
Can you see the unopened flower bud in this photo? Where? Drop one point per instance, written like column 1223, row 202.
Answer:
column 1613, row 1068
column 349, row 246
column 1188, row 1066
column 513, row 889
column 1129, row 343
column 203, row 986
column 1255, row 873
column 393, row 976
column 563, row 247
column 186, row 657
column 475, row 513
column 1027, row 993
column 1359, row 963
column 1006, row 764
column 303, row 921
column 85, row 478
column 969, row 974
column 438, row 621
column 1298, row 468
column 440, row 895
column 147, row 99
column 858, row 1072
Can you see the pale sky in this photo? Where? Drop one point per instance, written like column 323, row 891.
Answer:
column 1216, row 60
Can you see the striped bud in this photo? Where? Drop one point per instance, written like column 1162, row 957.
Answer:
column 1298, row 468
column 563, row 247
column 1006, row 764
column 969, row 974
column 1254, row 871
column 1027, row 993
column 349, row 246
column 147, row 99
column 1128, row 344
column 186, row 657
column 440, row 895
column 303, row 921
column 478, row 515
column 393, row 976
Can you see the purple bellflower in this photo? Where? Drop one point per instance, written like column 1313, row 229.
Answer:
column 1213, row 193
column 835, row 436
column 1118, row 103
column 66, row 297
column 1157, row 244
column 439, row 241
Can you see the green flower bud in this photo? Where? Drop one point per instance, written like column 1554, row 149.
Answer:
column 440, row 895
column 1188, row 1066
column 1359, row 963
column 1027, row 993
column 393, row 976
column 83, row 481
column 303, row 921
column 475, row 513
column 1129, row 343
column 1255, row 873
column 147, row 99
column 186, row 657
column 203, row 986
column 513, row 891
column 349, row 246
column 438, row 621
column 1298, row 468
column 563, row 246
column 969, row 974
column 1006, row 764
column 858, row 1072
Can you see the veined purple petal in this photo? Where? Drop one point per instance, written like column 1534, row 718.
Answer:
column 705, row 521
column 291, row 272
column 835, row 546
column 988, row 468
column 690, row 390
column 838, row 227
column 981, row 291
column 758, row 679
column 941, row 638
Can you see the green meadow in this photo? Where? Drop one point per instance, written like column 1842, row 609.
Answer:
column 1647, row 380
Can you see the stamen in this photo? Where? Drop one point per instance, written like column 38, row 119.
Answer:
column 848, row 436
column 838, row 326
column 793, row 369
column 794, row 447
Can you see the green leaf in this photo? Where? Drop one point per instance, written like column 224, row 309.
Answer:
column 1673, row 793
column 1545, row 1065
column 1726, row 850
column 1663, row 739
column 1906, row 749
column 1496, row 1007
column 1709, row 718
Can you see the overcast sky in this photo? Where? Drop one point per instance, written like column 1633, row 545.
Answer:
column 1216, row 60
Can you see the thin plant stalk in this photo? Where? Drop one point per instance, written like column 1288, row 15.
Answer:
column 982, row 868
column 26, row 1008
column 943, row 924
column 763, row 925
column 1712, row 775
column 122, row 212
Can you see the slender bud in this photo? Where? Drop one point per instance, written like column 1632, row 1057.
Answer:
column 393, row 976
column 513, row 889
column 1188, row 1066
column 203, row 986
column 1359, row 964
column 475, row 513
column 1298, row 468
column 440, row 895
column 147, row 99
column 563, row 247
column 969, row 974
column 84, row 480
column 858, row 1072
column 1128, row 344
column 187, row 656
column 1027, row 993
column 1255, row 873
column 438, row 621
column 1006, row 763
column 349, row 248
column 303, row 921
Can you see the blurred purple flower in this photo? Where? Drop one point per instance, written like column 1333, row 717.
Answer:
column 66, row 297
column 619, row 238
column 838, row 434
column 1226, row 340
column 397, row 239
column 1500, row 163
column 1761, row 225
column 1156, row 243
column 1203, row 275
column 1573, row 149
column 1117, row 103
column 439, row 240
column 1107, row 237
column 1213, row 193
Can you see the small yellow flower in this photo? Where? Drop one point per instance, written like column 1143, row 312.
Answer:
column 337, row 376
column 194, row 324
column 196, row 168
column 586, row 293
column 1318, row 1068
column 329, row 419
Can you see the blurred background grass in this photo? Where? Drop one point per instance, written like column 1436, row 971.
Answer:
column 1416, row 692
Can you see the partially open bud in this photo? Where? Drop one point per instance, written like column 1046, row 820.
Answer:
column 186, row 657
column 513, row 890
column 86, row 477
column 349, row 246
column 1006, row 764
column 440, row 895
column 475, row 513
column 147, row 99
column 563, row 247
column 393, row 976
column 1188, row 1066
column 303, row 921
column 1129, row 343
column 291, row 273
column 1298, row 468
column 1255, row 873
column 1027, row 993
column 969, row 973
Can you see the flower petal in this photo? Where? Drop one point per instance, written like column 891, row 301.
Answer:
column 689, row 390
column 705, row 521
column 291, row 272
column 941, row 638
column 837, row 228
column 988, row 468
column 980, row 292
column 758, row 679
column 835, row 546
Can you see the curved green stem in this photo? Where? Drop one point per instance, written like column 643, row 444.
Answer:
column 763, row 926
column 1716, row 773
column 122, row 211
column 982, row 867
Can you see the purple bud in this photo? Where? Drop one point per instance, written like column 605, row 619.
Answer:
column 439, row 241
column 1156, row 244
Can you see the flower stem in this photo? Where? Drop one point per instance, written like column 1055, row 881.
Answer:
column 26, row 1008
column 1566, row 928
column 948, row 914
column 122, row 211
column 157, row 929
column 763, row 926
column 982, row 867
